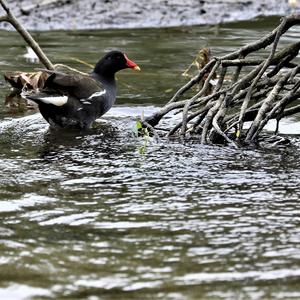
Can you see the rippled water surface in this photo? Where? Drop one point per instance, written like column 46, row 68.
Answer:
column 85, row 216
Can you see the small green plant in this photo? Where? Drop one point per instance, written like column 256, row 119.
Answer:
column 139, row 130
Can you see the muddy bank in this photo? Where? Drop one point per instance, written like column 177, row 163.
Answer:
column 95, row 14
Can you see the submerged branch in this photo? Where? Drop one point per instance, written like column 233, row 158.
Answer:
column 247, row 89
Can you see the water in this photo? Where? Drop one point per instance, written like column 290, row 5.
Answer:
column 85, row 216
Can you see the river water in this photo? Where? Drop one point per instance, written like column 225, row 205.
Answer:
column 85, row 215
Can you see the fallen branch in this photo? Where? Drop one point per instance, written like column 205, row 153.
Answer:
column 246, row 89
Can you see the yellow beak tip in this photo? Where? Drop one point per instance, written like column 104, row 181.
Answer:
column 137, row 68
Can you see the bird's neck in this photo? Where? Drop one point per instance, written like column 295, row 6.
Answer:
column 104, row 71
column 108, row 80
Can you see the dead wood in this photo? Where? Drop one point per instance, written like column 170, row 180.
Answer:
column 246, row 89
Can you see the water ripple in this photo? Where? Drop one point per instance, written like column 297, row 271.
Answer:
column 85, row 216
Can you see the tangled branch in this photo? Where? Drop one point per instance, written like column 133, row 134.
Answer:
column 257, row 90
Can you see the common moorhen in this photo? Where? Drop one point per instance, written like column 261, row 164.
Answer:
column 77, row 100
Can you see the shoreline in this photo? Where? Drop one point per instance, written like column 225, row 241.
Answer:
column 43, row 15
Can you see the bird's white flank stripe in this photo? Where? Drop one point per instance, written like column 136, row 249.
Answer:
column 57, row 100
column 97, row 94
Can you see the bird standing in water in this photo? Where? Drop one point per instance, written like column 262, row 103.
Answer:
column 77, row 100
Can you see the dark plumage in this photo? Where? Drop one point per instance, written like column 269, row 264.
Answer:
column 76, row 100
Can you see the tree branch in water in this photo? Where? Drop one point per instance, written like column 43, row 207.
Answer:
column 246, row 89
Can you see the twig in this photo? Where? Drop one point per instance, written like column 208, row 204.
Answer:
column 9, row 17
column 199, row 94
column 192, row 82
column 265, row 107
column 262, row 69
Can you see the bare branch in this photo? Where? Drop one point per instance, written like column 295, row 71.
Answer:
column 255, row 90
column 25, row 34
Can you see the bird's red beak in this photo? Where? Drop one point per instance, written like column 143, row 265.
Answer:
column 130, row 64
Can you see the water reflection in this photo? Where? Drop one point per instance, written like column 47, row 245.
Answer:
column 90, row 216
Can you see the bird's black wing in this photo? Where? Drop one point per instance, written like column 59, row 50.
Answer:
column 78, row 85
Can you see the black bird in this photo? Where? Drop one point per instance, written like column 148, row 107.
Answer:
column 77, row 100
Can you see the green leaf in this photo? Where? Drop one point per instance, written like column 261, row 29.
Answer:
column 139, row 125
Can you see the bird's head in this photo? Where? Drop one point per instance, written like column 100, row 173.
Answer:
column 113, row 62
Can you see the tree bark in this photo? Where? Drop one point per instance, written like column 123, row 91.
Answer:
column 256, row 91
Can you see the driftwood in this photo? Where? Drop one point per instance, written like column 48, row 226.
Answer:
column 257, row 90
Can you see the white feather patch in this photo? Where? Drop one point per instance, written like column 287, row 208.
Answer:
column 97, row 94
column 57, row 100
